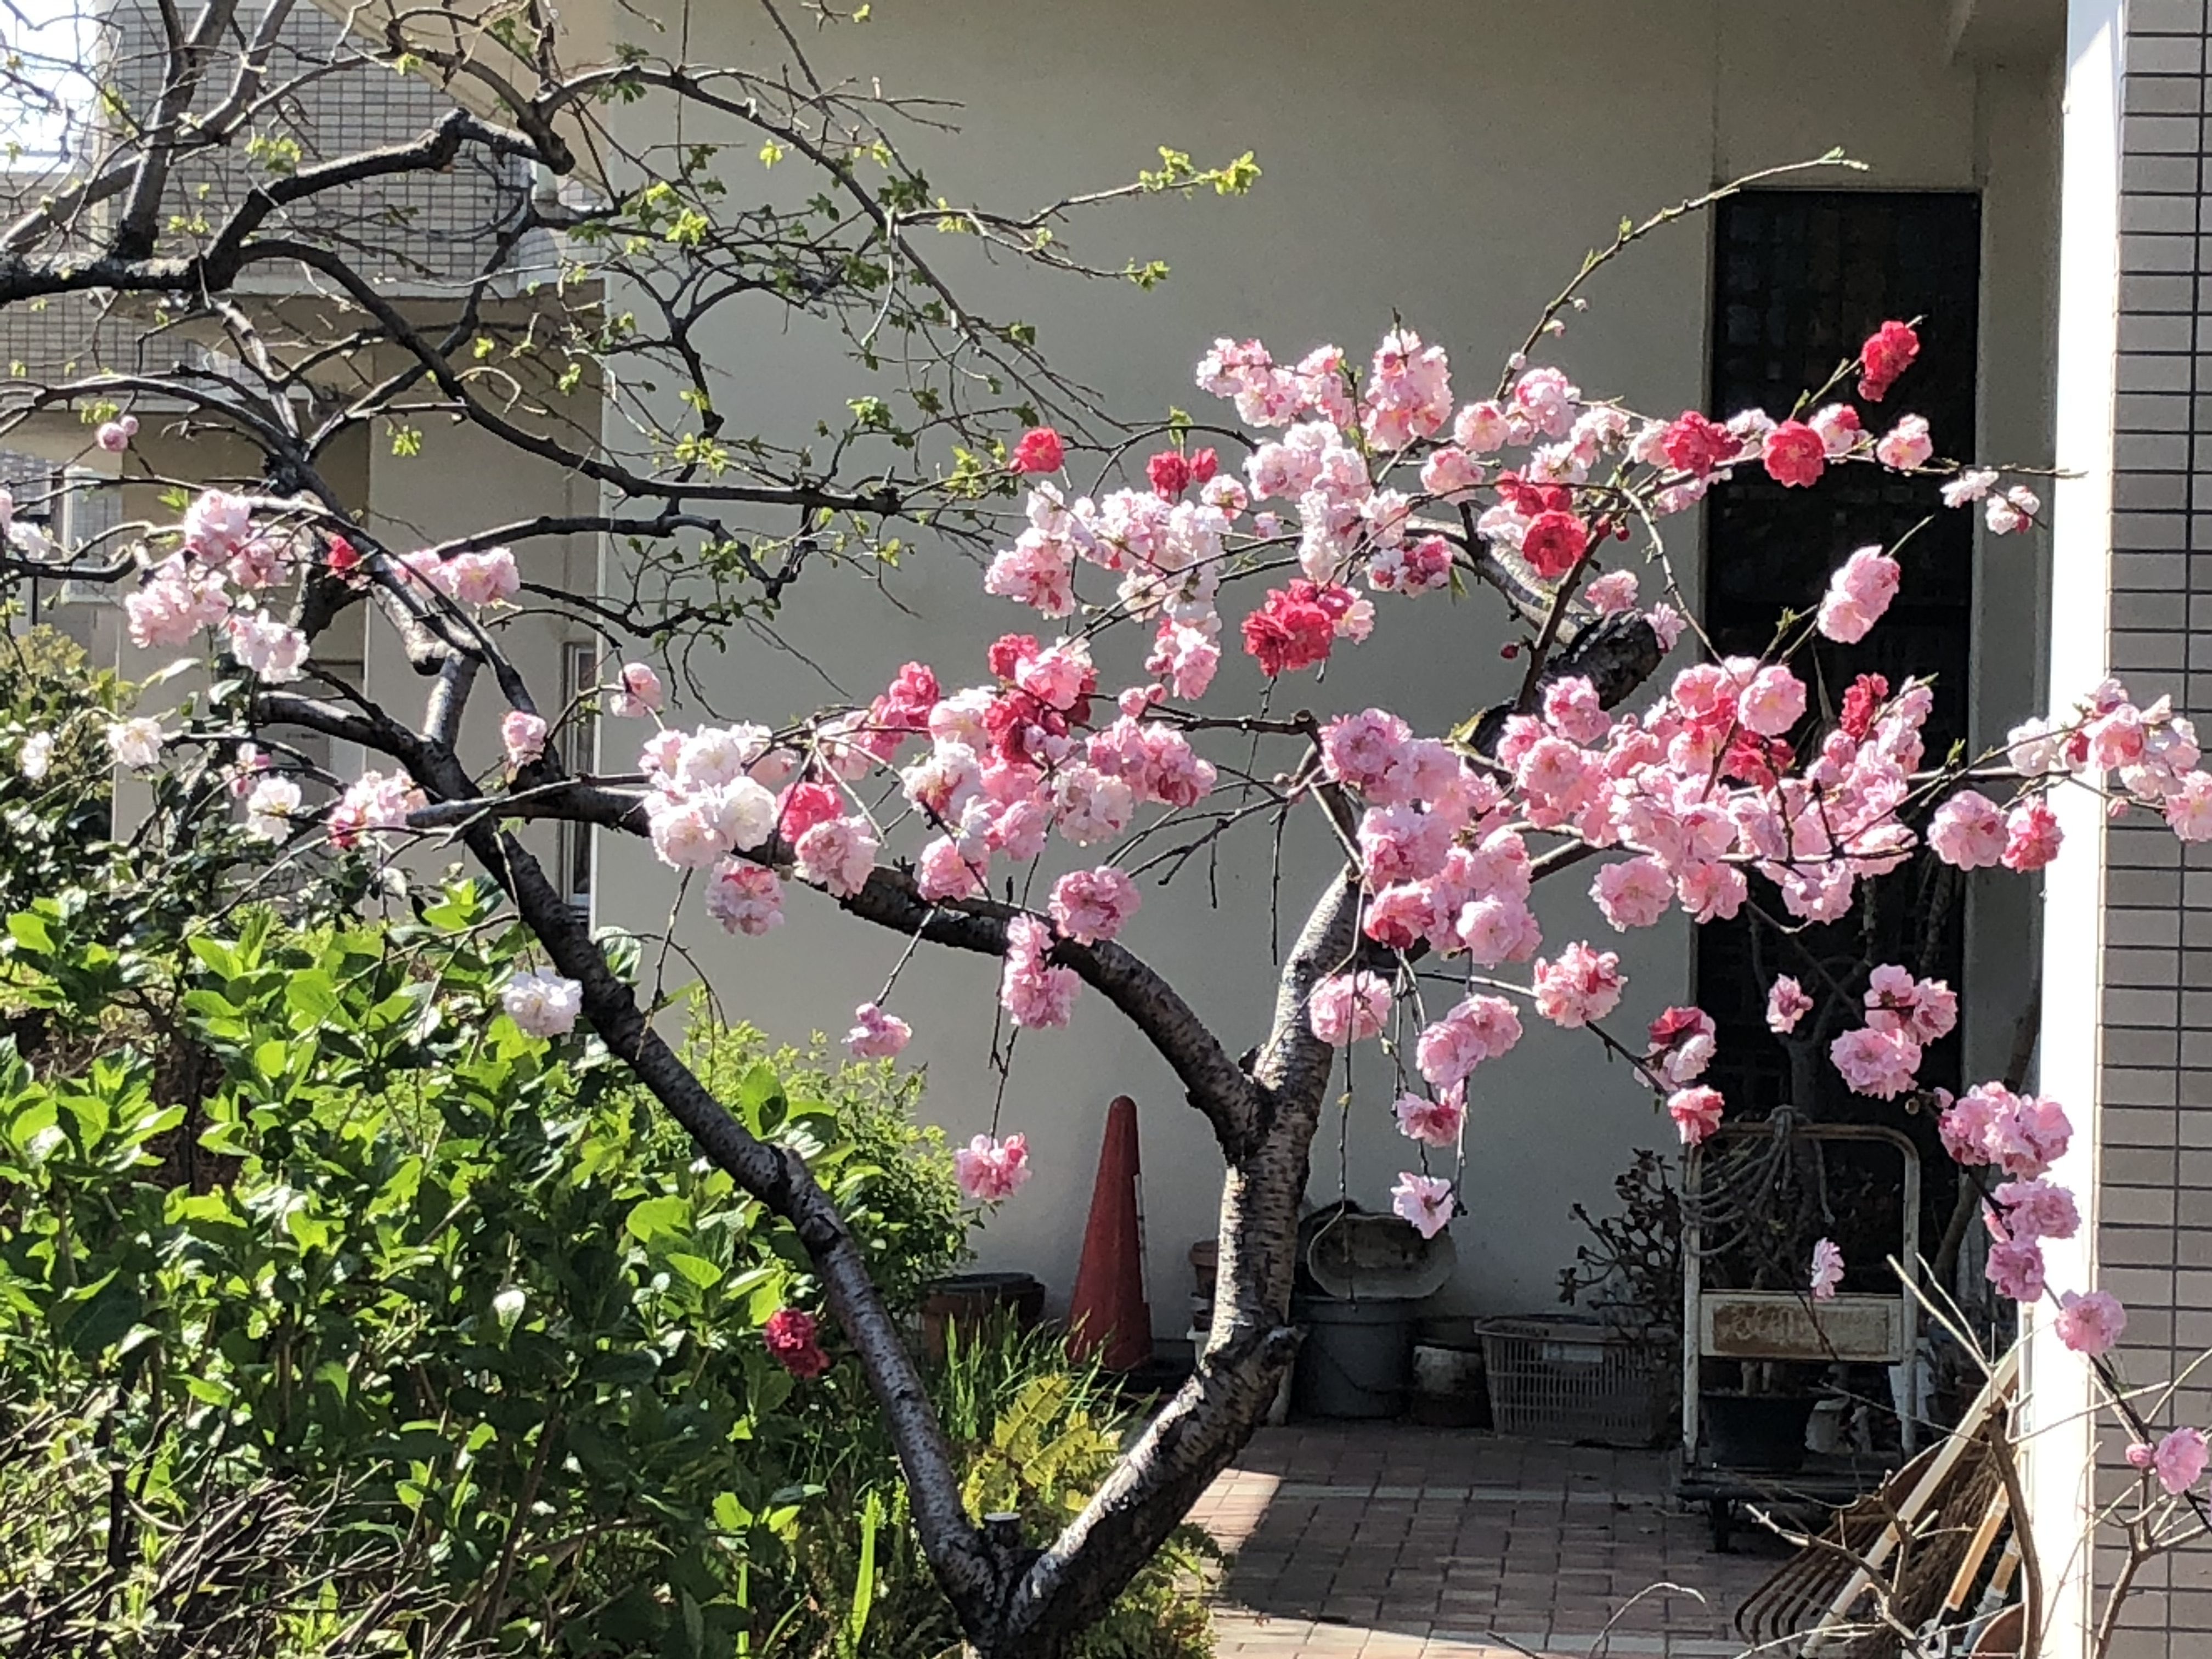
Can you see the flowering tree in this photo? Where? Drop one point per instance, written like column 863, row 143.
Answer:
column 1350, row 488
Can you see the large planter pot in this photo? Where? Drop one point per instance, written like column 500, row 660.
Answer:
column 1761, row 1432
column 972, row 1300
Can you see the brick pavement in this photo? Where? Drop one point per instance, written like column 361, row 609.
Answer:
column 1387, row 1542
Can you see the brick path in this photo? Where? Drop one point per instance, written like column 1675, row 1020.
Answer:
column 1393, row 1542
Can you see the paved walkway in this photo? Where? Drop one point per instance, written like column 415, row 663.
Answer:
column 1395, row 1542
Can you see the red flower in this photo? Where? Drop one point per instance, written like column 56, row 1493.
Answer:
column 1865, row 695
column 1695, row 445
column 1039, row 450
column 805, row 805
column 1529, row 500
column 342, row 557
column 1291, row 629
column 1794, row 455
column 1750, row 758
column 1170, row 471
column 790, row 1336
column 1203, row 466
column 1888, row 352
column 1554, row 543
column 1008, row 652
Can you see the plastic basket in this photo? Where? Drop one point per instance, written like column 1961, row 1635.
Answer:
column 1570, row 1380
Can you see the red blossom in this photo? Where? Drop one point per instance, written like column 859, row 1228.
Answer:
column 342, row 557
column 1530, row 500
column 1695, row 445
column 1750, row 758
column 1794, row 455
column 1203, row 466
column 1008, row 652
column 1291, row 629
column 1554, row 543
column 790, row 1335
column 1040, row 451
column 1888, row 352
column 1861, row 702
column 805, row 805
column 1170, row 471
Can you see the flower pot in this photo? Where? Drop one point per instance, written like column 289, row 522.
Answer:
column 1757, row 1431
column 970, row 1300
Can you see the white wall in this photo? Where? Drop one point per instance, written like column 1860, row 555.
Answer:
column 1450, row 162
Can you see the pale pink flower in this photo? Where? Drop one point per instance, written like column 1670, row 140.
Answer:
column 114, row 436
column 637, row 692
column 136, row 742
column 875, row 1034
column 1349, row 1007
column 375, row 801
column 481, row 578
column 1964, row 1127
column 2033, row 836
column 215, row 524
column 1968, row 831
column 2189, row 808
column 2090, row 1322
column 522, row 736
column 2178, row 1461
column 1090, row 905
column 1667, row 624
column 1839, row 428
column 1880, row 1063
column 1091, row 806
column 836, row 855
column 2027, row 1135
column 991, row 1171
column 949, row 870
column 2014, row 510
column 1432, row 1122
column 2038, row 1209
column 1481, row 1028
column 1827, row 1270
column 1773, row 701
column 1969, row 486
column 1683, row 1043
column 1362, row 750
column 1786, row 1004
column 1581, row 986
column 1697, row 1113
column 1425, row 1201
column 1907, row 445
column 1858, row 592
column 745, row 898
column 2015, row 1267
column 1035, row 994
column 543, row 1004
column 1633, row 893
column 1614, row 591
column 274, row 650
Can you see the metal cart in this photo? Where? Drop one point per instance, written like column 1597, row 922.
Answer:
column 1720, row 1323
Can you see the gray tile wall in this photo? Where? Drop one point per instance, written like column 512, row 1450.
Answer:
column 2156, row 1225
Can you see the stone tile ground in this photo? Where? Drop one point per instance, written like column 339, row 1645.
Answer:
column 1396, row 1542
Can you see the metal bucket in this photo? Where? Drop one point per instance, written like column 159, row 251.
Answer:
column 1356, row 1359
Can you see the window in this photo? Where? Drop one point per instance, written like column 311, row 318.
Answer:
column 1801, row 278
column 579, row 745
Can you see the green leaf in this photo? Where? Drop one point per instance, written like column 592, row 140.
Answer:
column 697, row 1268
column 271, row 1056
column 656, row 1216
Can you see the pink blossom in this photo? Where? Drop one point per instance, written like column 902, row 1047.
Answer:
column 2178, row 1461
column 991, row 1171
column 2090, row 1322
column 1968, row 832
column 949, row 870
column 1480, row 1028
column 1682, row 1045
column 114, row 436
column 1614, row 591
column 2027, row 1135
column 1633, row 893
column 1667, row 624
column 1451, row 472
column 273, row 651
column 2037, row 1209
column 1773, row 701
column 836, row 855
column 1572, row 709
column 1401, row 843
column 1432, row 1122
column 373, row 802
column 1090, row 905
column 2189, row 808
column 1040, row 449
column 638, row 692
column 875, row 1034
column 1480, row 429
column 1827, row 1270
column 2031, row 835
column 1349, row 1007
column 1858, row 592
column 1091, row 806
column 1038, row 571
column 745, row 898
column 543, row 1004
column 2014, row 510
column 1697, row 1113
column 522, row 736
column 1888, row 352
column 216, row 525
column 1362, row 750
column 1425, row 1201
column 1970, row 486
column 2015, row 1267
column 479, row 578
column 1905, row 446
column 1876, row 1062
column 1964, row 1127
column 1036, row 995
column 1786, row 1004
column 1839, row 427
column 1581, row 986
column 1412, row 568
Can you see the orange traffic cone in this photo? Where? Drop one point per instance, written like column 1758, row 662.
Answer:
column 1107, row 1314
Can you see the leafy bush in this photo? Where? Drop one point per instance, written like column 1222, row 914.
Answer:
column 465, row 1324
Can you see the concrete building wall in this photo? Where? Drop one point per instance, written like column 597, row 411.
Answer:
column 1450, row 163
